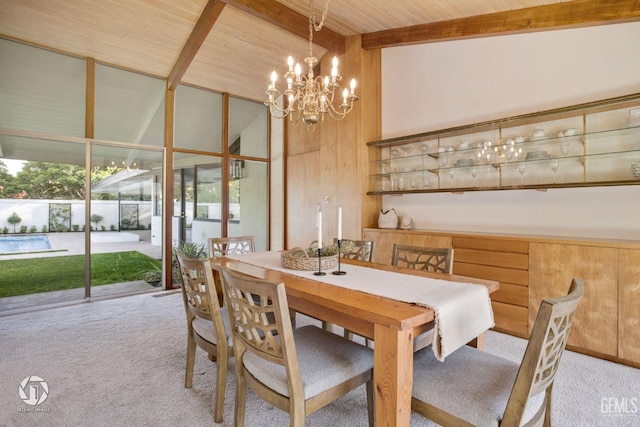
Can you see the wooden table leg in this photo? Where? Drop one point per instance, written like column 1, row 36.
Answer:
column 479, row 342
column 393, row 375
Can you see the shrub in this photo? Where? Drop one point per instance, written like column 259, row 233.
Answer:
column 5, row 230
column 112, row 227
column 76, row 227
column 23, row 229
column 44, row 228
column 96, row 219
column 14, row 219
column 103, row 228
column 33, row 229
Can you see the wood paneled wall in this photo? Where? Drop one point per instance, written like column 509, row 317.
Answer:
column 330, row 166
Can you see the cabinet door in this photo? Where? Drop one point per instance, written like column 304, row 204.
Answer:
column 629, row 327
column 551, row 269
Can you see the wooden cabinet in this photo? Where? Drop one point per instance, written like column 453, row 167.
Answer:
column 532, row 268
column 629, row 305
column 506, row 261
column 553, row 266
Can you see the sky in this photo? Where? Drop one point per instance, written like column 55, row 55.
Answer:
column 14, row 166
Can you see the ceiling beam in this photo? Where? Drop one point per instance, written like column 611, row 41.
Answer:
column 209, row 16
column 579, row 13
column 292, row 21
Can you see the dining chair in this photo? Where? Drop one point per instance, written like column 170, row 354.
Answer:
column 296, row 370
column 438, row 260
column 207, row 323
column 358, row 249
column 476, row 388
column 361, row 250
column 221, row 246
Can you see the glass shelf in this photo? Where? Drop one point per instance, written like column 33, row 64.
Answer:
column 592, row 144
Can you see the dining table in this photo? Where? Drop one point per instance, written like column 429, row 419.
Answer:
column 353, row 300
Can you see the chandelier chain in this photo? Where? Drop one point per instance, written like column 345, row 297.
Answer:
column 313, row 23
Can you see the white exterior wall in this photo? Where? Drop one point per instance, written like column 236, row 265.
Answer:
column 36, row 212
column 439, row 85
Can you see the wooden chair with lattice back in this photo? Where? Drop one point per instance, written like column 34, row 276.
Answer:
column 298, row 371
column 207, row 323
column 476, row 388
column 438, row 260
column 358, row 249
column 221, row 246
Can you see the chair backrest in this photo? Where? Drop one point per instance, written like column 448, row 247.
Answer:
column 260, row 323
column 198, row 292
column 439, row 260
column 542, row 356
column 357, row 249
column 221, row 246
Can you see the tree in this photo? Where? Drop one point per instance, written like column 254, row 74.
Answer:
column 57, row 181
column 95, row 218
column 6, row 180
column 13, row 220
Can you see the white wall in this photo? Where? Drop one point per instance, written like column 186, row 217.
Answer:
column 438, row 85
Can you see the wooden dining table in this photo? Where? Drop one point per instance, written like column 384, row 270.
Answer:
column 390, row 323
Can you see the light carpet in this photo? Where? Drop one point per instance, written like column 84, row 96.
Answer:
column 121, row 362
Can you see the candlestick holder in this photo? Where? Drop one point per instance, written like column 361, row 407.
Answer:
column 319, row 272
column 339, row 272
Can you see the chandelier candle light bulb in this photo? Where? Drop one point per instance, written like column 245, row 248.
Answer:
column 340, row 223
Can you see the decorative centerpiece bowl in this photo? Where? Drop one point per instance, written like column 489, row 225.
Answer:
column 307, row 259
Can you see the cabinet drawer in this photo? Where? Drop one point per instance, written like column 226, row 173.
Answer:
column 510, row 318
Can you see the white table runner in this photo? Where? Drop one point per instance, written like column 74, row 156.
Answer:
column 462, row 310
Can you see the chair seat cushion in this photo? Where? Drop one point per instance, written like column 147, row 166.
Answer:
column 325, row 360
column 204, row 328
column 470, row 384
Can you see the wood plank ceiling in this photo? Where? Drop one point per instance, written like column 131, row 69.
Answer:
column 233, row 45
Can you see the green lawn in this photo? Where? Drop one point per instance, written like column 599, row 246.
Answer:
column 34, row 275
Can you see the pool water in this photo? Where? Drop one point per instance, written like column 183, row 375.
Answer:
column 15, row 244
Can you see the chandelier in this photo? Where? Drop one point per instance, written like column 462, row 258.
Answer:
column 310, row 97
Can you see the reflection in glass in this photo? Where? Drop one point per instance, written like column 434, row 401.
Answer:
column 248, row 128
column 198, row 121
column 129, row 107
column 249, row 203
column 41, row 90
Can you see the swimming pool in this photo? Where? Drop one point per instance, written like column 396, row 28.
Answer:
column 26, row 243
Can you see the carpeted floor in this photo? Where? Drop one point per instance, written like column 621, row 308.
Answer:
column 121, row 362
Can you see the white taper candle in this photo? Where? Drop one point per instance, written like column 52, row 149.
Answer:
column 320, row 230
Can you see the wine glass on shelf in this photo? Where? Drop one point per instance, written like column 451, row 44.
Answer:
column 452, row 174
column 521, row 168
column 474, row 172
column 554, row 168
column 443, row 160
